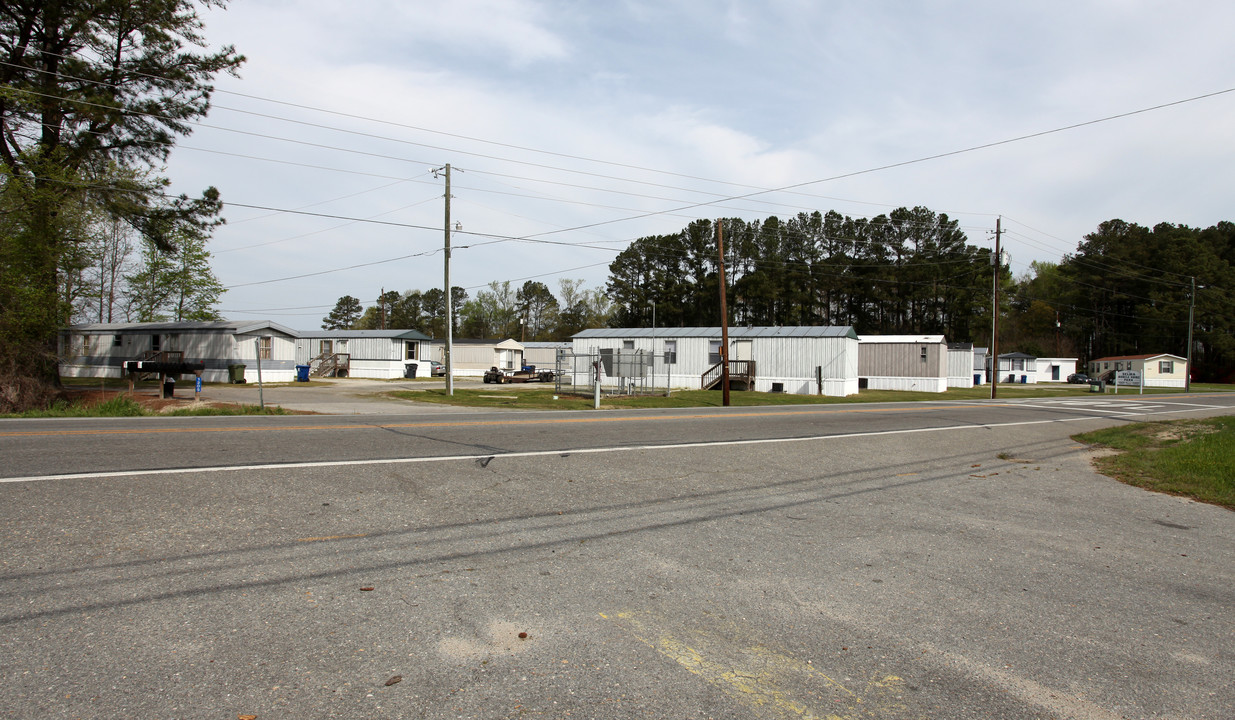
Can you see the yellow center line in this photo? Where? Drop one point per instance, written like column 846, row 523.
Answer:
column 522, row 421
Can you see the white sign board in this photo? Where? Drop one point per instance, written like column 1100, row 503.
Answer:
column 1128, row 377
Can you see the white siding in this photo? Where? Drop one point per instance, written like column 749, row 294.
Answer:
column 960, row 368
column 790, row 361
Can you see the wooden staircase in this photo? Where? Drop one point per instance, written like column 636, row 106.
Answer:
column 741, row 375
column 330, row 365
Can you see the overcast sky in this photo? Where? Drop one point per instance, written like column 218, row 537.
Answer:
column 584, row 125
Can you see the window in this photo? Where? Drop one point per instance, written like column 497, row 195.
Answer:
column 628, row 344
column 156, row 343
column 671, row 352
column 264, row 347
column 1018, row 363
column 325, row 347
column 1166, row 367
column 411, row 349
column 713, row 352
column 923, row 353
column 117, row 340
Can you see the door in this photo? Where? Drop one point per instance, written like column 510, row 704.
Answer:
column 742, row 350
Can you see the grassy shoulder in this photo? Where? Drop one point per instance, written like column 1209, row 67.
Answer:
column 1193, row 458
column 115, row 404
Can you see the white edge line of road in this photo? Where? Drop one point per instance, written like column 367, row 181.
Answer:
column 537, row 453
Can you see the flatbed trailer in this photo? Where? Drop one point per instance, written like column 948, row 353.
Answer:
column 528, row 373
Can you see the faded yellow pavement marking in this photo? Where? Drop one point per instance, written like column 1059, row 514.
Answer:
column 521, row 421
column 770, row 682
column 331, row 537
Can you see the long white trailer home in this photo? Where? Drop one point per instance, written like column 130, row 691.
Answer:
column 101, row 349
column 798, row 360
column 378, row 354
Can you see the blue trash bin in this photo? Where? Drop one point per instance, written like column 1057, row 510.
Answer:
column 302, row 373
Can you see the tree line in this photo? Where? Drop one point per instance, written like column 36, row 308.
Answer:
column 907, row 272
column 1127, row 290
column 530, row 312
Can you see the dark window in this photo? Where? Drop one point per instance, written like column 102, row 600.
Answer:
column 923, row 353
column 713, row 352
column 628, row 344
column 116, row 340
column 671, row 352
column 156, row 343
column 411, row 350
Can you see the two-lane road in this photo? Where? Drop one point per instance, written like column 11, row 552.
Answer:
column 62, row 447
column 933, row 560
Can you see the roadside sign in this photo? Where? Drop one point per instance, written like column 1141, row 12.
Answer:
column 199, row 383
column 1128, row 377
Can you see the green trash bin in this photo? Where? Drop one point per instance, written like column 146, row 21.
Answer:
column 235, row 374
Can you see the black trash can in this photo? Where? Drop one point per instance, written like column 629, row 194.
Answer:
column 409, row 370
column 169, row 387
column 235, row 374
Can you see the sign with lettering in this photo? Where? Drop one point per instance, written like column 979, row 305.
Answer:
column 1128, row 377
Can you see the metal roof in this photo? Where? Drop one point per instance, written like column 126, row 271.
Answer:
column 737, row 331
column 357, row 334
column 230, row 327
column 901, row 339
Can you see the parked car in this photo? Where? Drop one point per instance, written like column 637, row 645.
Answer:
column 436, row 369
column 1078, row 378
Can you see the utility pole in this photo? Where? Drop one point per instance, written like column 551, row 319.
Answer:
column 448, row 299
column 1188, row 370
column 724, row 320
column 997, row 262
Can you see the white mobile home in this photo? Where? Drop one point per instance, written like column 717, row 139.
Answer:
column 1161, row 370
column 378, row 354
column 1017, row 367
column 543, row 354
column 472, row 358
column 960, row 365
column 903, row 362
column 101, row 349
column 799, row 360
column 1051, row 369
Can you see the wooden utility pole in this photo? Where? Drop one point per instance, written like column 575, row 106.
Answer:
column 448, row 351
column 998, row 266
column 1187, row 370
column 724, row 320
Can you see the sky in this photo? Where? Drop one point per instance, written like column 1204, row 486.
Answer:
column 573, row 128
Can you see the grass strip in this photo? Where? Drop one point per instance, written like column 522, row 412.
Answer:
column 1192, row 458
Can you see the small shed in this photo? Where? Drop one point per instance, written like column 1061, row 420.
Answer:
column 472, row 357
column 799, row 360
column 1161, row 370
column 101, row 349
column 903, row 362
column 378, row 354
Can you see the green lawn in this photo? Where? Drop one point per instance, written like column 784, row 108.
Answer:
column 1193, row 458
column 541, row 397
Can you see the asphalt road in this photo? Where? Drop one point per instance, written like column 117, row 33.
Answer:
column 942, row 560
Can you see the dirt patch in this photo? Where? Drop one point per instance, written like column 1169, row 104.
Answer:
column 1184, row 431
